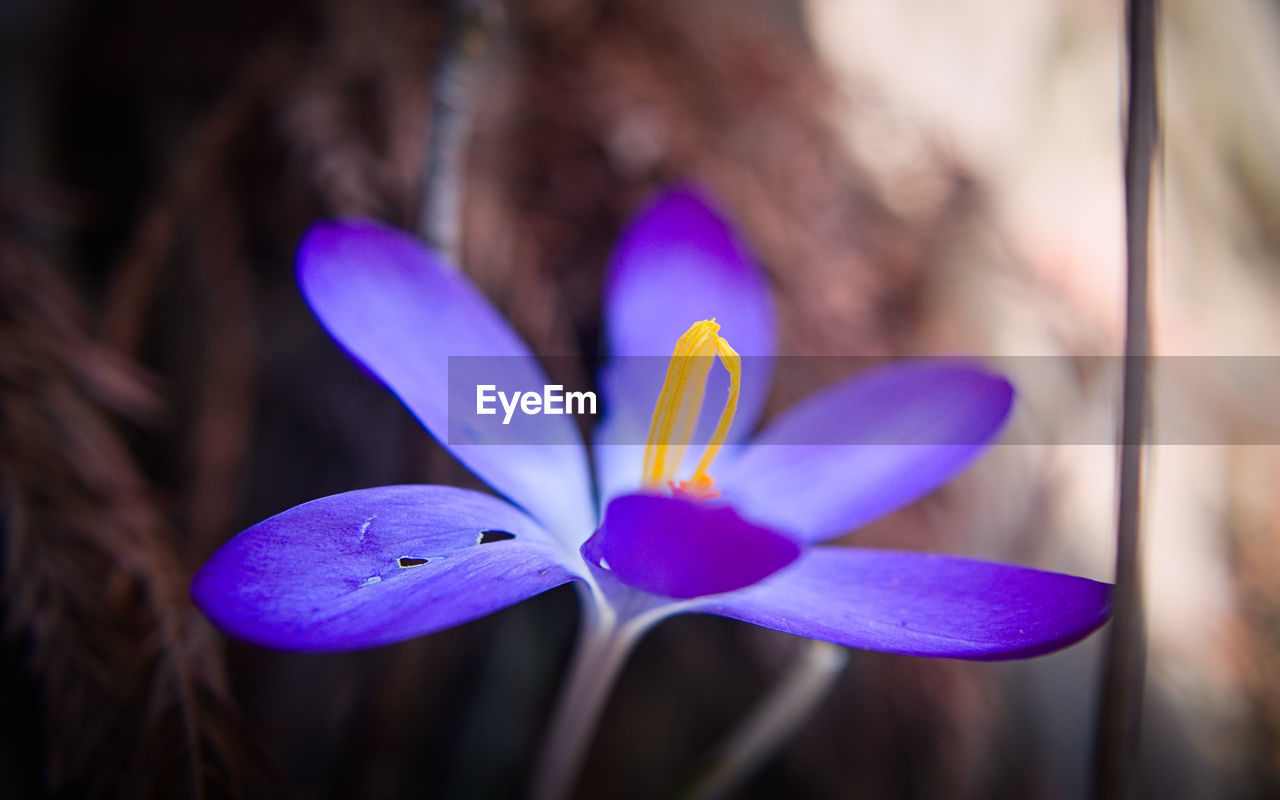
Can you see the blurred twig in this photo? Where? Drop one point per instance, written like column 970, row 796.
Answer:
column 1120, row 701
column 220, row 434
column 94, row 591
column 134, row 285
column 440, row 203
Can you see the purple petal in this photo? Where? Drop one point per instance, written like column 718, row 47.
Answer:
column 678, row 262
column 678, row 548
column 376, row 566
column 866, row 446
column 399, row 309
column 922, row 605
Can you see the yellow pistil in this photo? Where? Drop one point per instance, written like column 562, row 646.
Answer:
column 679, row 404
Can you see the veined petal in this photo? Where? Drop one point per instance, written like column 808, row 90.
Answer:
column 921, row 604
column 866, row 446
column 376, row 566
column 678, row 262
column 401, row 311
column 680, row 548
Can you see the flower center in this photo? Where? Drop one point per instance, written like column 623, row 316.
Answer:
column 679, row 404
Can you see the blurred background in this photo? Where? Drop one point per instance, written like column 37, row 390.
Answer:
column 917, row 178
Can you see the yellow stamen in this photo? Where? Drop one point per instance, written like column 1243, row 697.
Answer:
column 679, row 404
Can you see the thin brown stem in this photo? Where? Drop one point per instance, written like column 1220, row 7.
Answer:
column 1120, row 698
column 452, row 105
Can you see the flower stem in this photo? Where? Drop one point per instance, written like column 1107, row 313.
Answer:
column 772, row 722
column 602, row 649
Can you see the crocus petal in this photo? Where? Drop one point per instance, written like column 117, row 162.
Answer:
column 682, row 549
column 678, row 262
column 376, row 566
column 399, row 309
column 866, row 446
column 920, row 604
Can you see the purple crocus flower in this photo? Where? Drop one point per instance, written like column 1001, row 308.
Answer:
column 376, row 566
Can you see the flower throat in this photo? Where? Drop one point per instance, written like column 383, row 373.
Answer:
column 675, row 415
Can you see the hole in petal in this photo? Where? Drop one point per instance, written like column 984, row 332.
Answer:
column 488, row 537
column 410, row 561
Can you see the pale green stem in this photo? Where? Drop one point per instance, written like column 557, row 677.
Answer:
column 773, row 722
column 603, row 646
